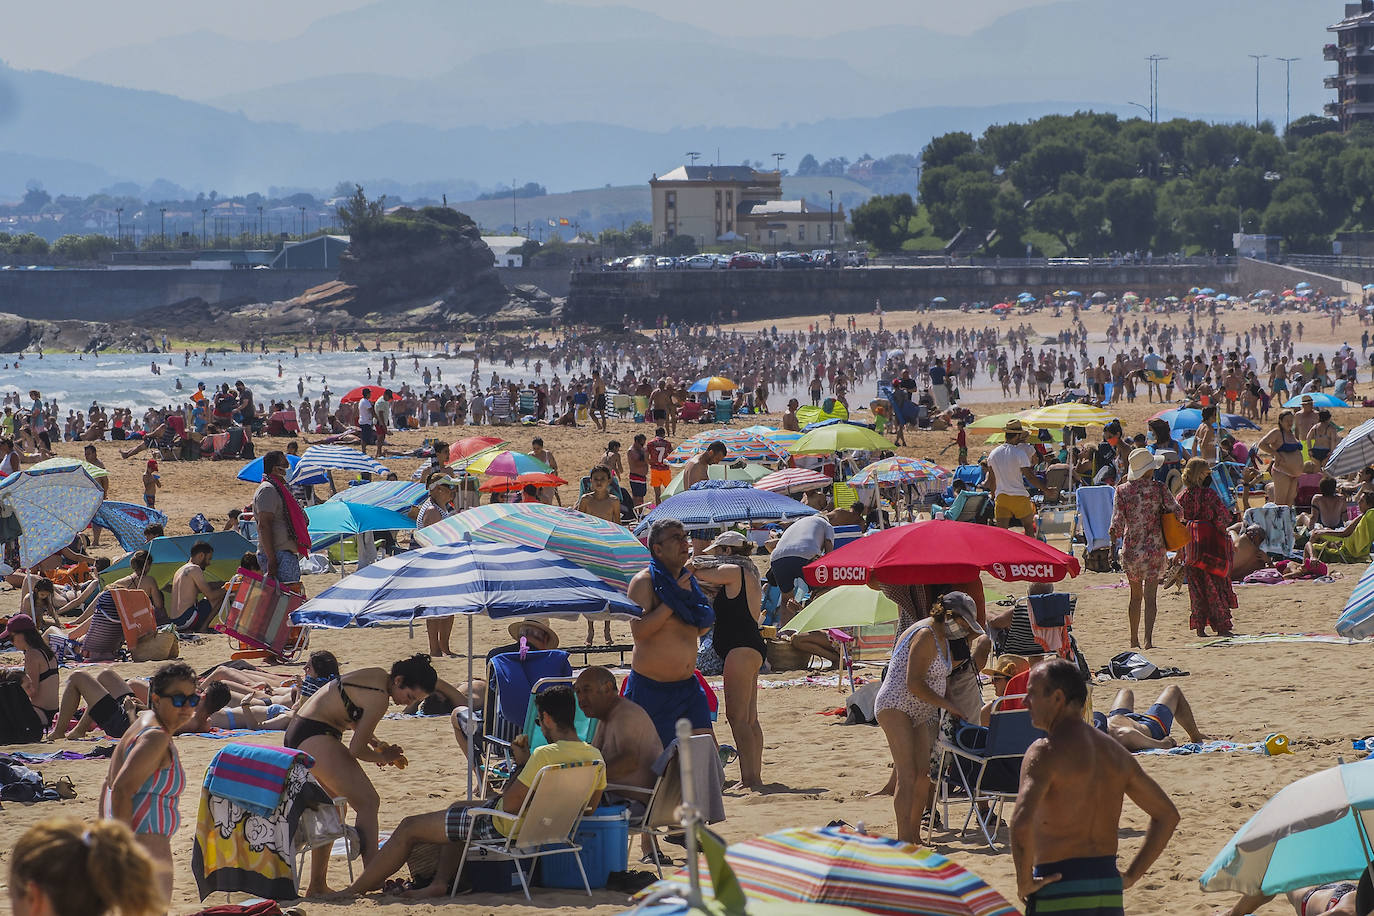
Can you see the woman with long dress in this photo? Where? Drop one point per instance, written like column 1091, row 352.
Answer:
column 1208, row 557
column 1140, row 501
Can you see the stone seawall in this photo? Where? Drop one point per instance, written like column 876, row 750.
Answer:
column 113, row 295
column 606, row 297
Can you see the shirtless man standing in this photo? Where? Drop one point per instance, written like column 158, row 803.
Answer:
column 695, row 471
column 597, row 409
column 661, row 406
column 637, row 458
column 1065, row 831
column 194, row 602
column 677, row 614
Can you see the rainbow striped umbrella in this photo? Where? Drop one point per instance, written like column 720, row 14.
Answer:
column 607, row 551
column 739, row 446
column 508, row 464
column 793, row 480
column 899, row 470
column 834, row 865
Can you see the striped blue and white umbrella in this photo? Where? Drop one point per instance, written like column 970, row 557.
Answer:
column 719, row 503
column 127, row 521
column 399, row 495
column 498, row 580
column 319, row 459
column 1353, row 452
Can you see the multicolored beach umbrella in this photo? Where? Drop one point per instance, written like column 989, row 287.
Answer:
column 793, row 480
column 739, row 446
column 608, row 551
column 899, row 471
column 838, row 866
column 507, row 464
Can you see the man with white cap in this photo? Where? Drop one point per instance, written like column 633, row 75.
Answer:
column 1010, row 477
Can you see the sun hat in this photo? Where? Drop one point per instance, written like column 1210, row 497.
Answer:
column 443, row 481
column 19, row 623
column 1007, row 666
column 1142, row 463
column 963, row 605
column 728, row 539
column 1013, row 426
column 550, row 637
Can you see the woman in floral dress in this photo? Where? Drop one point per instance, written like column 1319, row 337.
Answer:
column 1208, row 560
column 1140, row 501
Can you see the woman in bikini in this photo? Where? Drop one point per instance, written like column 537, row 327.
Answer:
column 1336, row 898
column 145, row 780
column 40, row 667
column 1282, row 444
column 908, row 708
column 355, row 702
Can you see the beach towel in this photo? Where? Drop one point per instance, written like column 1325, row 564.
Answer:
column 1095, row 505
column 252, row 775
column 690, row 605
column 1260, row 638
column 238, row 851
column 1209, row 548
column 1207, row 747
column 295, row 517
column 1278, row 523
column 1050, row 618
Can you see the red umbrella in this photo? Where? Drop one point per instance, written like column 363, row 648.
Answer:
column 507, row 484
column 931, row 552
column 375, row 393
column 466, row 448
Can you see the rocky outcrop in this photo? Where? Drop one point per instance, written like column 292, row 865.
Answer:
column 18, row 334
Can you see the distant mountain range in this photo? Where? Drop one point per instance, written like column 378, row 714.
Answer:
column 584, row 96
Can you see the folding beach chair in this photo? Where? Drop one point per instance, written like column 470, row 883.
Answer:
column 622, row 404
column 529, row 401
column 510, row 685
column 660, row 818
column 136, row 614
column 970, row 506
column 847, row 534
column 990, row 774
column 257, row 616
column 725, row 410
column 546, row 823
column 585, row 727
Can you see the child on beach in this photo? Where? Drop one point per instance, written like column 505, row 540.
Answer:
column 152, row 482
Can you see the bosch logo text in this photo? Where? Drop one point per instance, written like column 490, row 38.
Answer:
column 1033, row 571
column 841, row 574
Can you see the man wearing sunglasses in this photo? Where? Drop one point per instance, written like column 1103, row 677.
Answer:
column 450, row 827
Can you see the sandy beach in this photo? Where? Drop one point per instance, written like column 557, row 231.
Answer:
column 816, row 768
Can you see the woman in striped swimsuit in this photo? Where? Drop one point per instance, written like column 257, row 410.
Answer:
column 144, row 784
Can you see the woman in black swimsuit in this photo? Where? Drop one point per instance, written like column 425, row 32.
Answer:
column 40, row 667
column 738, row 605
column 355, row 702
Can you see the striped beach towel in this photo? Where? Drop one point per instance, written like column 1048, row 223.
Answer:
column 252, row 775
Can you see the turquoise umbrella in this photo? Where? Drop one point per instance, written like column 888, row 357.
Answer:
column 1313, row 831
column 354, row 518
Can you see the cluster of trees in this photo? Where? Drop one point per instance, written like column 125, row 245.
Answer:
column 1092, row 183
column 530, row 189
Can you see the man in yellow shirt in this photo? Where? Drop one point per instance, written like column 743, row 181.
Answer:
column 451, row 826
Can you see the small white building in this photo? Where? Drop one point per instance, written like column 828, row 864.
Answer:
column 503, row 249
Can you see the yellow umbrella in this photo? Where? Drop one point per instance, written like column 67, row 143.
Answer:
column 1069, row 414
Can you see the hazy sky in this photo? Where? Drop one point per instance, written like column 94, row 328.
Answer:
column 56, row 34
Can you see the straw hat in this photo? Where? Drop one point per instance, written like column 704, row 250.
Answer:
column 1013, row 427
column 550, row 637
column 1142, row 463
column 1007, row 666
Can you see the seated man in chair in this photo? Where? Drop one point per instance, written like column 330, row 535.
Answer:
column 451, row 826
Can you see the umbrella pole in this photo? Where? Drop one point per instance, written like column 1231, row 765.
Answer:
column 471, row 712
column 689, row 814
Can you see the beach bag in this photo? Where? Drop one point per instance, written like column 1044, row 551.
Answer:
column 1175, row 532
column 158, row 646
column 19, row 721
column 259, row 613
column 1099, row 560
column 1132, row 666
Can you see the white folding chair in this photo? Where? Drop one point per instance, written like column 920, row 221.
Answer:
column 546, row 823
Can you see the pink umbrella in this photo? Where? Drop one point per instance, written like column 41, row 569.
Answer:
column 793, row 480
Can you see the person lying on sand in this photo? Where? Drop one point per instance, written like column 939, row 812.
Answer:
column 1335, row 899
column 1138, row 731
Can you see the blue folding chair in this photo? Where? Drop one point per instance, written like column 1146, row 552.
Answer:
column 511, row 683
column 985, row 763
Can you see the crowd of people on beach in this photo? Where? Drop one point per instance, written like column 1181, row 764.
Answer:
column 705, row 598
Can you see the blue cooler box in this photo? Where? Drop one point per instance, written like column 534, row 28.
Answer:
column 604, row 836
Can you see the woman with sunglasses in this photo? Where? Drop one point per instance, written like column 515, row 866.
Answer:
column 144, row 784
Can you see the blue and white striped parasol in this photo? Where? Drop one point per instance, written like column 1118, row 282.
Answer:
column 718, row 503
column 319, row 459
column 498, row 580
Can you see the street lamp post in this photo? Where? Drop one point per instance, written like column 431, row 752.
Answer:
column 119, row 226
column 777, row 160
column 1288, row 92
column 1257, row 58
column 831, row 195
column 163, row 226
column 203, row 212
column 1141, row 107
column 259, row 226
column 302, row 224
column 1154, row 60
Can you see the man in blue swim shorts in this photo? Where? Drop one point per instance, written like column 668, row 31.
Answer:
column 1139, row 731
column 1074, row 782
column 676, row 615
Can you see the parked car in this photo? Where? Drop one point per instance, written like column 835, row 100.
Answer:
column 700, row 262
column 665, row 263
column 642, row 262
column 745, row 262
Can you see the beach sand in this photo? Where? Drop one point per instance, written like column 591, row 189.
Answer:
column 817, row 769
